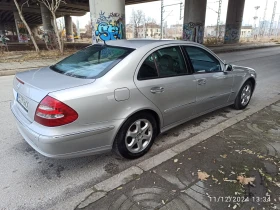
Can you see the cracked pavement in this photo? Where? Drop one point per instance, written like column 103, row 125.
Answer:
column 250, row 148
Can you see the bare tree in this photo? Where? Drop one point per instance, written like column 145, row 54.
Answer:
column 88, row 30
column 137, row 19
column 19, row 8
column 146, row 22
column 53, row 5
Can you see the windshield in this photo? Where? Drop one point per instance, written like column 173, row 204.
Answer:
column 91, row 62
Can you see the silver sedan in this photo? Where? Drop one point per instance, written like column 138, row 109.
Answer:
column 120, row 95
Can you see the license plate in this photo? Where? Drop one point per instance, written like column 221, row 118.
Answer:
column 22, row 101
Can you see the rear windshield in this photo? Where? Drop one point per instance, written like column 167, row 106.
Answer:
column 91, row 62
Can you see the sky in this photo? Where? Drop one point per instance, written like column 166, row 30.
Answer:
column 172, row 13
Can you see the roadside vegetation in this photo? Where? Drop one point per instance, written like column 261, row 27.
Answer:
column 21, row 56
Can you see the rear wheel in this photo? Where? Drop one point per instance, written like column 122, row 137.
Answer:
column 244, row 96
column 136, row 136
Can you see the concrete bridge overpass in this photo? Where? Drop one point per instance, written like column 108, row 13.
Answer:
column 108, row 17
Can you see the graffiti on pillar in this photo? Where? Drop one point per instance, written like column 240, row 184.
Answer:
column 193, row 32
column 69, row 38
column 108, row 27
column 231, row 34
column 22, row 32
column 50, row 40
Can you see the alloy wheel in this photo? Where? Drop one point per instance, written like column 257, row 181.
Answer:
column 139, row 136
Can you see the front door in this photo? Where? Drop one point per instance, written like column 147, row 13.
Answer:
column 164, row 79
column 213, row 84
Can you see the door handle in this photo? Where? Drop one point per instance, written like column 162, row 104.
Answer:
column 155, row 90
column 201, row 81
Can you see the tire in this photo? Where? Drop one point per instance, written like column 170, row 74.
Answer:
column 245, row 91
column 139, row 130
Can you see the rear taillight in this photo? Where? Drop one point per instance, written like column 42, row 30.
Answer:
column 52, row 112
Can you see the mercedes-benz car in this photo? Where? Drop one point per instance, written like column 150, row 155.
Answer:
column 121, row 94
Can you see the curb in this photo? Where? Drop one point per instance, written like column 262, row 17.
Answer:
column 101, row 189
column 241, row 49
column 13, row 72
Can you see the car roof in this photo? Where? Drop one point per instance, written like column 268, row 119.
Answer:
column 138, row 43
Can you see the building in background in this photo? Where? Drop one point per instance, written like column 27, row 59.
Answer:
column 129, row 31
column 246, row 32
column 174, row 32
column 149, row 30
column 211, row 31
column 264, row 28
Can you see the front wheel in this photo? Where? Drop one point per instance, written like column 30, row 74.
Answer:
column 244, row 96
column 136, row 136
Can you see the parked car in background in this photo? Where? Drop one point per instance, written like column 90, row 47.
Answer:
column 122, row 94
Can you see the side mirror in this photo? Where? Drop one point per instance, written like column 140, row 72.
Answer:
column 228, row 67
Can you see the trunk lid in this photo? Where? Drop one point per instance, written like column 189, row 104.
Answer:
column 34, row 85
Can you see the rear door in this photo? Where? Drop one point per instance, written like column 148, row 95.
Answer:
column 213, row 84
column 164, row 79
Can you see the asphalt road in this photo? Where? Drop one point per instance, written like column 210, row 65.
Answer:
column 31, row 181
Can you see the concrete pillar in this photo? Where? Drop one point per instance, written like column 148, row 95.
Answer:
column 21, row 30
column 2, row 28
column 34, row 30
column 194, row 20
column 107, row 19
column 234, row 21
column 46, row 18
column 69, row 28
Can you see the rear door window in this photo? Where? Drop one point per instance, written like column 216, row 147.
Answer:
column 170, row 62
column 148, row 69
column 91, row 62
column 166, row 62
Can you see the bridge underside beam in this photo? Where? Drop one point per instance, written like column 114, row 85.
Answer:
column 32, row 12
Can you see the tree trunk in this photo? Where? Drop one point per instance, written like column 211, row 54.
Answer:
column 57, row 33
column 27, row 27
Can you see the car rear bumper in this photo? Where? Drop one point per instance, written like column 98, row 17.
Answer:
column 96, row 140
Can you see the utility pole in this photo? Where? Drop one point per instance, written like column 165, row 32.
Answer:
column 181, row 8
column 162, row 12
column 161, row 24
column 144, row 27
column 278, row 26
column 133, row 29
column 219, row 18
column 78, row 28
column 272, row 19
column 255, row 21
column 263, row 28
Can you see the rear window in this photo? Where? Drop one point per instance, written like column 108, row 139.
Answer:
column 91, row 62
